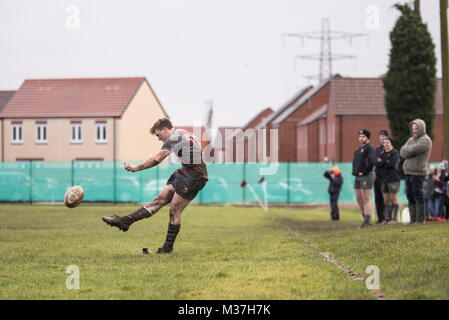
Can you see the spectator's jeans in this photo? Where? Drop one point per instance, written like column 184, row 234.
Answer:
column 335, row 213
column 439, row 211
column 430, row 207
column 414, row 189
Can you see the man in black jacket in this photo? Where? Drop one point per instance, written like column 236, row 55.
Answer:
column 378, row 198
column 362, row 169
column 387, row 172
column 335, row 183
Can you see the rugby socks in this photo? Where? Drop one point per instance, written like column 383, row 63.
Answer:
column 137, row 215
column 172, row 232
column 366, row 221
column 388, row 211
column 395, row 211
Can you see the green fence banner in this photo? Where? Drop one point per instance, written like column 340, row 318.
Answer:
column 290, row 183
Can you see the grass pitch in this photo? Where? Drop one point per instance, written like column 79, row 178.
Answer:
column 220, row 253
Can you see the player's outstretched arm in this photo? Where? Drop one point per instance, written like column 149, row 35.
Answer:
column 149, row 163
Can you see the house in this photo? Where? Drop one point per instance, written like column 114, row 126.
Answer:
column 98, row 119
column 222, row 146
column 232, row 143
column 283, row 121
column 5, row 96
column 245, row 141
column 338, row 108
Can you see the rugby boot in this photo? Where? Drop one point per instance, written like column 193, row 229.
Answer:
column 116, row 221
column 124, row 222
column 164, row 249
column 412, row 210
column 420, row 213
column 366, row 222
column 388, row 211
column 395, row 214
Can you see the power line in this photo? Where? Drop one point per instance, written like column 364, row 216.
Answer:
column 325, row 57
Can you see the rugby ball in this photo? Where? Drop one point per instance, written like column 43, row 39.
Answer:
column 73, row 196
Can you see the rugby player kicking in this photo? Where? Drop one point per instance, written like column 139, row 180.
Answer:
column 182, row 186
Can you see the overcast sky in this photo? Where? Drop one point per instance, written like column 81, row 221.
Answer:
column 191, row 51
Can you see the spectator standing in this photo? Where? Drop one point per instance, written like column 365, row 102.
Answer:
column 416, row 152
column 335, row 183
column 362, row 168
column 446, row 181
column 378, row 195
column 440, row 192
column 387, row 165
column 429, row 186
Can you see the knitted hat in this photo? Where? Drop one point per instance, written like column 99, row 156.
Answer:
column 365, row 132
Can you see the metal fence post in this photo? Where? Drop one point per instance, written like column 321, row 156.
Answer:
column 115, row 182
column 72, row 174
column 244, row 179
column 30, row 172
column 288, row 182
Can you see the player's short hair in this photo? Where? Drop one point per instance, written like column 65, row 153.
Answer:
column 160, row 124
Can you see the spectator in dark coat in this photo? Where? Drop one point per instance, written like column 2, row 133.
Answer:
column 440, row 192
column 378, row 194
column 387, row 172
column 335, row 183
column 362, row 168
column 445, row 176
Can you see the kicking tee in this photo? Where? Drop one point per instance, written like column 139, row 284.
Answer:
column 188, row 149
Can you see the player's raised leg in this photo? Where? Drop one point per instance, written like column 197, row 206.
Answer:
column 177, row 206
column 146, row 211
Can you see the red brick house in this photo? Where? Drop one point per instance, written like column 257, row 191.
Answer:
column 329, row 117
column 295, row 110
column 222, row 148
column 245, row 140
column 232, row 143
column 273, row 121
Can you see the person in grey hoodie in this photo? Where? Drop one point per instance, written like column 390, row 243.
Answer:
column 416, row 153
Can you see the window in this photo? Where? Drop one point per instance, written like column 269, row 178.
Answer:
column 101, row 132
column 76, row 133
column 17, row 133
column 41, row 133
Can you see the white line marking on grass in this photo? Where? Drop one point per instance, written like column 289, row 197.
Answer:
column 378, row 294
column 257, row 198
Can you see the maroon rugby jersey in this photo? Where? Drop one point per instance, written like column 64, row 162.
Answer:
column 187, row 147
